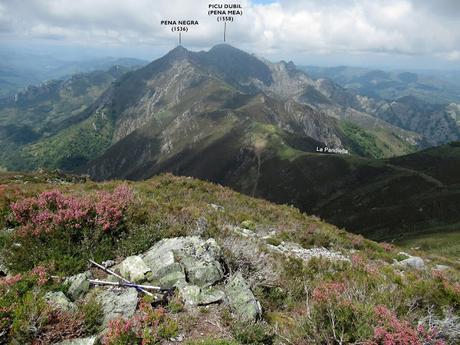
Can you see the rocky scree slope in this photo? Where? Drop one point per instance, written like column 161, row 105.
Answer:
column 229, row 257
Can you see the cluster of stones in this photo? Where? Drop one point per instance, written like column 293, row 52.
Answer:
column 290, row 248
column 191, row 265
column 295, row 250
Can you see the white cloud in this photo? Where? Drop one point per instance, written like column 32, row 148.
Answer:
column 289, row 27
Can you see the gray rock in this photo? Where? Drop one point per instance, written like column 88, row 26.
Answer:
column 193, row 295
column 79, row 285
column 211, row 295
column 108, row 263
column 178, row 339
column 117, row 303
column 172, row 279
column 295, row 250
column 59, row 301
column 201, row 225
column 198, row 259
column 190, row 294
column 160, row 258
column 217, row 207
column 441, row 268
column 244, row 232
column 242, row 300
column 3, row 269
column 414, row 262
column 202, row 273
column 79, row 341
column 134, row 269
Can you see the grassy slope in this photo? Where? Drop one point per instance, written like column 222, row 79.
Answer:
column 170, row 206
column 376, row 143
column 384, row 199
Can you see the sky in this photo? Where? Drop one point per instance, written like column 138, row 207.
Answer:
column 410, row 34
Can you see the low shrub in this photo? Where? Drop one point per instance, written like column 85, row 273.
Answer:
column 66, row 230
column 253, row 334
column 211, row 341
column 148, row 326
column 391, row 330
column 24, row 314
column 93, row 315
column 51, row 210
column 336, row 316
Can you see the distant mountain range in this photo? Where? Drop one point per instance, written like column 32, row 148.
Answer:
column 19, row 70
column 427, row 102
column 266, row 129
column 432, row 86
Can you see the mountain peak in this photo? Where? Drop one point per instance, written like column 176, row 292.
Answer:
column 178, row 53
column 237, row 64
column 224, row 46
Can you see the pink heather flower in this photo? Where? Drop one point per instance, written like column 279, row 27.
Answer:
column 388, row 247
column 392, row 331
column 42, row 274
column 52, row 209
column 328, row 291
column 10, row 281
column 110, row 207
column 357, row 260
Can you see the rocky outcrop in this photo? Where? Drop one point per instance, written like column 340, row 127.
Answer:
column 192, row 265
column 134, row 269
column 78, row 285
column 117, row 303
column 295, row 250
column 59, row 301
column 3, row 269
column 191, row 257
column 242, row 300
column 412, row 262
column 193, row 295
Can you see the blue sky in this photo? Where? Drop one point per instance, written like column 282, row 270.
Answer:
column 379, row 33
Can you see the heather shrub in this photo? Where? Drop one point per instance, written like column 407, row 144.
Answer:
column 66, row 230
column 336, row 316
column 175, row 304
column 253, row 334
column 23, row 312
column 211, row 341
column 92, row 315
column 28, row 317
column 51, row 210
column 391, row 330
column 60, row 325
column 148, row 326
column 426, row 293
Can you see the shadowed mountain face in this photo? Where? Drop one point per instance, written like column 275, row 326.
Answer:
column 264, row 129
